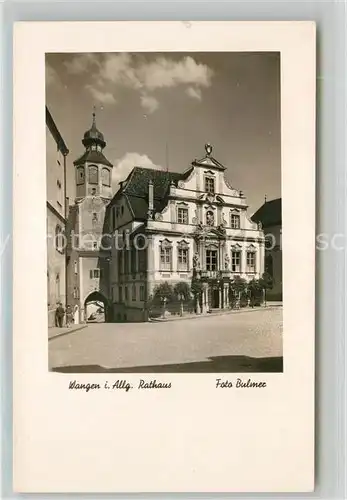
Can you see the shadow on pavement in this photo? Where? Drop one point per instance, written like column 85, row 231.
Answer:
column 218, row 364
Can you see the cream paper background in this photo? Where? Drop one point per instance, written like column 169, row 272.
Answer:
column 192, row 437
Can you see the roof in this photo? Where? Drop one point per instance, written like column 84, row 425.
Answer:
column 269, row 214
column 93, row 157
column 55, row 133
column 135, row 188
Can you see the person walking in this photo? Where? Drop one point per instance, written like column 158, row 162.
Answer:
column 59, row 314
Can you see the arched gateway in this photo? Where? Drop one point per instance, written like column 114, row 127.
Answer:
column 96, row 308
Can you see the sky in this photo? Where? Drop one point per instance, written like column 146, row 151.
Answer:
column 160, row 109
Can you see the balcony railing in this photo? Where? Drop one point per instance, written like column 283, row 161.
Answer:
column 223, row 273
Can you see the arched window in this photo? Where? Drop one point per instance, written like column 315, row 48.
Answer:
column 269, row 265
column 80, row 176
column 93, row 174
column 59, row 239
column 105, row 177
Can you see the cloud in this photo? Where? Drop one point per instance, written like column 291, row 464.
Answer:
column 194, row 93
column 135, row 72
column 101, row 96
column 81, row 63
column 167, row 73
column 52, row 77
column 124, row 166
column 149, row 103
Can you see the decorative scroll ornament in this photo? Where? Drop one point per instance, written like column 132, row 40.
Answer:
column 180, row 184
column 226, row 261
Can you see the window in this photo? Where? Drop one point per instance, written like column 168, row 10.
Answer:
column 269, row 265
column 142, row 292
column 120, row 294
column 80, row 175
column 165, row 256
column 126, row 293
column 94, row 273
column 93, row 192
column 182, row 215
column 235, row 221
column 251, row 262
column 105, row 177
column 75, row 267
column 211, row 260
column 142, row 261
column 93, row 175
column 236, row 261
column 126, row 261
column 95, row 245
column 59, row 239
column 209, row 185
column 133, row 260
column 182, row 259
column 75, row 292
column 59, row 184
column 133, row 293
column 95, row 217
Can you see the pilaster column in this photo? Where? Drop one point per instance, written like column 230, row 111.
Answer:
column 226, row 297
column 220, row 297
column 243, row 260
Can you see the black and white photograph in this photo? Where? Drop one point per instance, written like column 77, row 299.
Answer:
column 164, row 217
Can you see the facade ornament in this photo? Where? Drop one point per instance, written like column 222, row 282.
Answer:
column 260, row 226
column 208, row 149
column 210, row 218
column 158, row 216
column 226, row 261
column 196, row 262
column 180, row 184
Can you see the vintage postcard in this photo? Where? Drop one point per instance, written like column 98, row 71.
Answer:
column 170, row 316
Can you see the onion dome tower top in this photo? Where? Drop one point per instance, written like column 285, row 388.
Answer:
column 93, row 136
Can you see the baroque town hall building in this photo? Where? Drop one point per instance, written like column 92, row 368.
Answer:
column 169, row 226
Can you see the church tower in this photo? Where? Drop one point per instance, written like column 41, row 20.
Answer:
column 93, row 170
column 88, row 268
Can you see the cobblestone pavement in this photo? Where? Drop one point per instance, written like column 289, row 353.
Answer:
column 244, row 342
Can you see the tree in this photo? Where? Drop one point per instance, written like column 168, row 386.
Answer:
column 182, row 289
column 163, row 291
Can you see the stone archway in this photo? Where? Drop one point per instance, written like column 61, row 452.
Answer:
column 96, row 308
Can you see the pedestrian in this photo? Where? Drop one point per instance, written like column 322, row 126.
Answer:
column 69, row 316
column 59, row 314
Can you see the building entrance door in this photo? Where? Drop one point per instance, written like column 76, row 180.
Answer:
column 215, row 298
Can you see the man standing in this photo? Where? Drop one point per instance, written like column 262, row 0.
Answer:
column 59, row 314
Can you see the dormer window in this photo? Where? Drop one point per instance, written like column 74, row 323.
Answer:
column 209, row 185
column 93, row 147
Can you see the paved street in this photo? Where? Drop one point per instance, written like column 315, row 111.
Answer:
column 249, row 341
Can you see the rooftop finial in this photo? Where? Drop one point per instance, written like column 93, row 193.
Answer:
column 265, row 199
column 208, row 149
column 94, row 123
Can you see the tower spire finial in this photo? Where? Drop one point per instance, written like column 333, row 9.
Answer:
column 265, row 198
column 94, row 123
